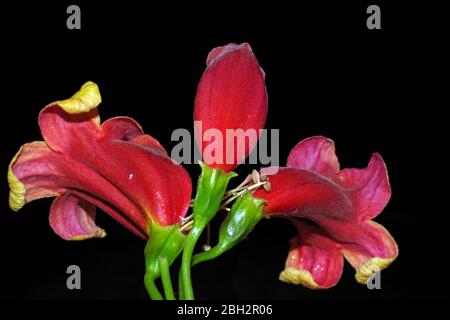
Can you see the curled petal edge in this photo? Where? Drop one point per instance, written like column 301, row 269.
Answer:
column 86, row 99
column 299, row 276
column 371, row 267
column 317, row 154
column 16, row 187
column 73, row 219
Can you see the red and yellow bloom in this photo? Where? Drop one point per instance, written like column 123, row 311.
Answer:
column 332, row 210
column 84, row 164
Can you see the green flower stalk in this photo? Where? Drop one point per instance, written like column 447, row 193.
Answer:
column 163, row 247
column 211, row 188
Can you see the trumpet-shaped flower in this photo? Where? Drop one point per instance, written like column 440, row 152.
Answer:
column 84, row 164
column 333, row 211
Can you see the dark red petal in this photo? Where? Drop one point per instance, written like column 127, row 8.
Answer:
column 127, row 129
column 353, row 194
column 120, row 128
column 150, row 143
column 305, row 194
column 316, row 154
column 231, row 95
column 160, row 187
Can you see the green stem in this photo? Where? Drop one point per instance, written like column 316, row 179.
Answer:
column 245, row 213
column 152, row 289
column 213, row 253
column 189, row 246
column 184, row 277
column 211, row 187
column 165, row 278
column 180, row 287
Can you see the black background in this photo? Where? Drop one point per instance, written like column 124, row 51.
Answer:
column 326, row 73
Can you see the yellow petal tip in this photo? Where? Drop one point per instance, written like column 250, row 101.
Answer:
column 86, row 99
column 296, row 276
column 16, row 187
column 99, row 234
column 371, row 267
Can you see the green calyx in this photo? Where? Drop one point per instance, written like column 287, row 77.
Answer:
column 211, row 188
column 245, row 213
column 163, row 242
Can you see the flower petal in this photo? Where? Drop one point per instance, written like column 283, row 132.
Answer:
column 20, row 193
column 63, row 132
column 216, row 52
column 314, row 260
column 305, row 194
column 73, row 218
column 124, row 218
column 161, row 187
column 120, row 128
column 127, row 129
column 353, row 194
column 114, row 166
column 370, row 188
column 367, row 246
column 73, row 121
column 316, row 154
column 339, row 203
column 231, row 95
column 36, row 172
column 337, row 212
column 148, row 142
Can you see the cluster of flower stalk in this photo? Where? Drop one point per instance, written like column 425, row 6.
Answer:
column 114, row 166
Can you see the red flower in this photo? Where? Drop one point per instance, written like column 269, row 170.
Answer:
column 113, row 166
column 231, row 95
column 333, row 209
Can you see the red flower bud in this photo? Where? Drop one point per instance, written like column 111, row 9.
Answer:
column 231, row 95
